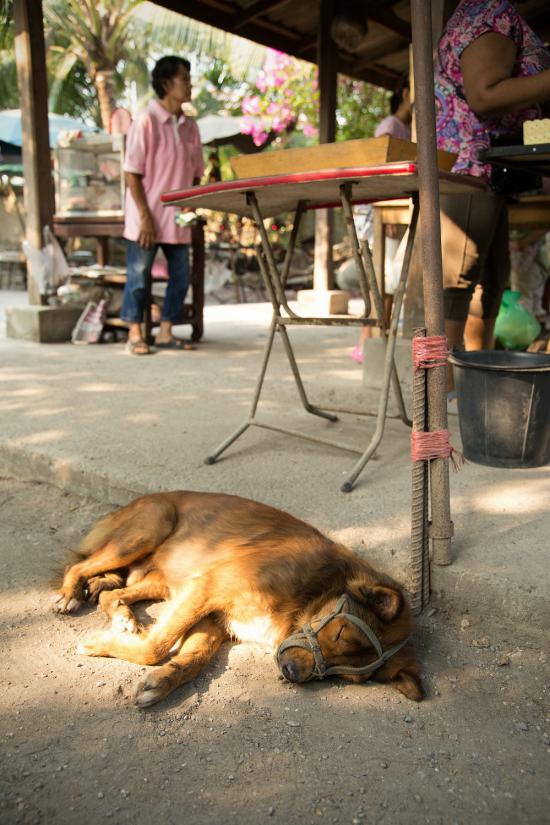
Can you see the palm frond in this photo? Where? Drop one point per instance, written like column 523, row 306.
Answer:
column 179, row 34
column 7, row 29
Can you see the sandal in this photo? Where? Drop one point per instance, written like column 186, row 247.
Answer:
column 137, row 347
column 175, row 343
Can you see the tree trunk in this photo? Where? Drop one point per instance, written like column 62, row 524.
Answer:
column 103, row 82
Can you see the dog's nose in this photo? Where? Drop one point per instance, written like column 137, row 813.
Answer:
column 290, row 672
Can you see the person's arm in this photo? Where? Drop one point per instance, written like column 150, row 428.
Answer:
column 147, row 232
column 487, row 65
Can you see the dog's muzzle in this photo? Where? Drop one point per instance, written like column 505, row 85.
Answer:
column 307, row 638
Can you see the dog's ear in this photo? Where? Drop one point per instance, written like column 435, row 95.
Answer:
column 383, row 600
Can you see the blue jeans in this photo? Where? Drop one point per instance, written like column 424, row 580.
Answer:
column 139, row 262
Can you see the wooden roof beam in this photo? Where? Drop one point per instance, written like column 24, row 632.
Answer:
column 368, row 56
column 388, row 19
column 222, row 16
column 377, row 75
column 256, row 10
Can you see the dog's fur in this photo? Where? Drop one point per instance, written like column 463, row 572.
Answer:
column 231, row 568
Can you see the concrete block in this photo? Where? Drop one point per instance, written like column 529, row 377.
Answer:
column 374, row 352
column 320, row 302
column 41, row 324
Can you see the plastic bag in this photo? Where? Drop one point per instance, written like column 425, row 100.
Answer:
column 48, row 266
column 515, row 326
column 216, row 274
column 89, row 326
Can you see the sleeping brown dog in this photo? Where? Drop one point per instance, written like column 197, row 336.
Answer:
column 231, row 568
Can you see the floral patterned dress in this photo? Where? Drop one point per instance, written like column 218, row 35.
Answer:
column 459, row 129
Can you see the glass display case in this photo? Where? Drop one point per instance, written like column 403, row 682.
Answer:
column 89, row 178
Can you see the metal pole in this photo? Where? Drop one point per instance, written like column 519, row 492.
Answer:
column 323, row 275
column 420, row 590
column 432, row 278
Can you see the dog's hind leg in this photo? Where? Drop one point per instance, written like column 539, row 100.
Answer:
column 117, row 541
column 182, row 613
column 115, row 602
column 113, row 555
column 196, row 651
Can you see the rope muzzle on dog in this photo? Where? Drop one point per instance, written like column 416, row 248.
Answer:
column 307, row 639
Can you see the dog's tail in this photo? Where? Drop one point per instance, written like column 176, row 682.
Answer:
column 98, row 536
column 92, row 541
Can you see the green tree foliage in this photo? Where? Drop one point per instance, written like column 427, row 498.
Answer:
column 95, row 34
column 218, row 91
column 9, row 95
column 96, row 48
column 360, row 108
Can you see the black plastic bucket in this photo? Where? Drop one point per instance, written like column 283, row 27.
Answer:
column 504, row 407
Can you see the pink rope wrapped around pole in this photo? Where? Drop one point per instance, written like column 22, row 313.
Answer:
column 429, row 446
column 429, row 352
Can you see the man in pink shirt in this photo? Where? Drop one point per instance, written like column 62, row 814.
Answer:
column 163, row 152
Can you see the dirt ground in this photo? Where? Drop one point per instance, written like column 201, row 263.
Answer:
column 239, row 745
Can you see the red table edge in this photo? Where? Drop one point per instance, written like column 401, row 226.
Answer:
column 349, row 173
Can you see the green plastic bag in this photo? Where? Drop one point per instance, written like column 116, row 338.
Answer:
column 515, row 326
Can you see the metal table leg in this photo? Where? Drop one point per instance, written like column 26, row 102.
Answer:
column 283, row 315
column 389, row 365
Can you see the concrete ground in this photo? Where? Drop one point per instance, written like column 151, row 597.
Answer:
column 96, row 421
column 85, row 428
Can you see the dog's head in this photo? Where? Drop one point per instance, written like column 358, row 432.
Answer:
column 334, row 640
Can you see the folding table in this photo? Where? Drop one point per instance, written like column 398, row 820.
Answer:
column 266, row 197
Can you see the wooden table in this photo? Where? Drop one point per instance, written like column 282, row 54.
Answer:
column 82, row 226
column 530, row 157
column 266, row 197
column 103, row 228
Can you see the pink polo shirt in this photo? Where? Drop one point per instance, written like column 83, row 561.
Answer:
column 167, row 152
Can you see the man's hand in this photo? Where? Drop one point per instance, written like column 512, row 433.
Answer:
column 147, row 232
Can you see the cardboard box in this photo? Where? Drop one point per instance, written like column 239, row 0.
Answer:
column 349, row 153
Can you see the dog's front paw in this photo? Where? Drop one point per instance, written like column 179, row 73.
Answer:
column 125, row 623
column 96, row 644
column 65, row 604
column 102, row 583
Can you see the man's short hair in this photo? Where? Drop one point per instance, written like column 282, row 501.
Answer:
column 397, row 97
column 165, row 69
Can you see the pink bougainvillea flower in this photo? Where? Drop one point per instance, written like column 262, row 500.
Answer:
column 251, row 105
column 259, row 137
column 247, row 125
column 309, row 130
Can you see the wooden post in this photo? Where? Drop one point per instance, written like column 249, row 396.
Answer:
column 31, row 72
column 323, row 276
